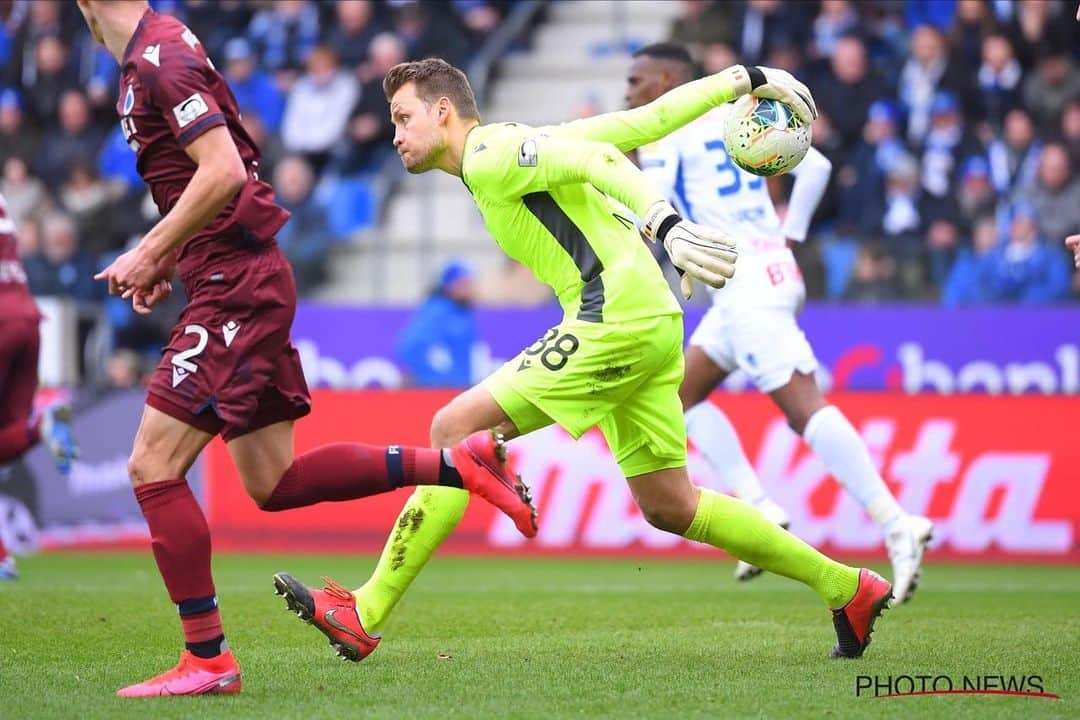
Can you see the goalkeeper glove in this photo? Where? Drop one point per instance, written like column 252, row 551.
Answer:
column 697, row 251
column 775, row 84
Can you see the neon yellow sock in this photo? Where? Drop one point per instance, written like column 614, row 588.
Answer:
column 740, row 530
column 427, row 519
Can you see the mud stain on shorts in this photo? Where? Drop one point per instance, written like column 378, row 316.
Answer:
column 608, row 376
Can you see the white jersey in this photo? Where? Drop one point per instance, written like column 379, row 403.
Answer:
column 692, row 168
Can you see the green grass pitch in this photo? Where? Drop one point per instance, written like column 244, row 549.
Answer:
column 528, row 638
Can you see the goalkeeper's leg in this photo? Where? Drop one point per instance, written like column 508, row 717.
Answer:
column 431, row 513
column 856, row 597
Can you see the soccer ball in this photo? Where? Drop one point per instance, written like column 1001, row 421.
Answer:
column 765, row 137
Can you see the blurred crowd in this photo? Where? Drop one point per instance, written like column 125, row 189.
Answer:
column 954, row 132
column 308, row 79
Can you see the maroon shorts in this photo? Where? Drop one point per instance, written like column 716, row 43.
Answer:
column 230, row 367
column 19, row 344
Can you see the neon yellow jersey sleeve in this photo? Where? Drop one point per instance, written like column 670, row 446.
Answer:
column 546, row 202
column 628, row 129
column 542, row 162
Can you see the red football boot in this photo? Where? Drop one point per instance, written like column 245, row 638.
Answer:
column 485, row 471
column 855, row 621
column 333, row 611
column 192, row 676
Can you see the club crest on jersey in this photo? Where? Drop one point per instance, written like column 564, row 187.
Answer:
column 527, row 154
column 129, row 99
column 189, row 109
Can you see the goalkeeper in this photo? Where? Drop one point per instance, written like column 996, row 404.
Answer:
column 615, row 361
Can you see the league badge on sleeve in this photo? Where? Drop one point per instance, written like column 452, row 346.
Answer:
column 527, row 154
column 188, row 110
column 129, row 100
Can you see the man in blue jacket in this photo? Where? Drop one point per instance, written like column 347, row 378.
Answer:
column 436, row 345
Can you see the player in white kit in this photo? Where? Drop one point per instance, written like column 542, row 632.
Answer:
column 751, row 325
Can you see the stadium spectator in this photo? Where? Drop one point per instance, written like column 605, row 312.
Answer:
column 89, row 203
column 479, row 17
column 431, row 30
column 975, row 196
column 844, row 91
column 927, row 70
column 999, row 78
column 117, row 163
column 318, row 107
column 862, row 204
column 370, row 129
column 1056, row 194
column 769, row 24
column 124, row 370
column 47, row 80
column 354, row 30
column 874, row 279
column 968, row 282
column 17, row 136
column 1053, row 83
column 436, row 344
column 1026, row 269
column 1014, row 157
column 73, row 141
column 1070, row 129
column 835, row 19
column 62, row 268
column 215, row 22
column 26, row 196
column 305, row 239
column 703, row 22
column 253, row 89
column 973, row 22
column 269, row 144
column 717, row 56
column 947, row 143
column 30, row 22
column 943, row 243
column 285, row 32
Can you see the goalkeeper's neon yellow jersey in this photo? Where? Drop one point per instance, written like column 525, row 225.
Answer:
column 543, row 195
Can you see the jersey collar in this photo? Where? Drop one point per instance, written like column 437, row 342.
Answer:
column 147, row 16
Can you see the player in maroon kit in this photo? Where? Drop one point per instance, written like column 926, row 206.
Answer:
column 229, row 366
column 19, row 344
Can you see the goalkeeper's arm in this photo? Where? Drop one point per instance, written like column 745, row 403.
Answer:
column 629, row 129
column 541, row 163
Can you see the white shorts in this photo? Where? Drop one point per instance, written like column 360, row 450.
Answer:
column 765, row 343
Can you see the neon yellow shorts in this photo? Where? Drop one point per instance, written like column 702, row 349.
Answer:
column 623, row 377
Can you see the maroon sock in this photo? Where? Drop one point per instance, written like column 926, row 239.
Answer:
column 180, row 539
column 18, row 437
column 3, row 550
column 347, row 471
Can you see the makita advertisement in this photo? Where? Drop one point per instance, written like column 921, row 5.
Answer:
column 998, row 476
column 1010, row 351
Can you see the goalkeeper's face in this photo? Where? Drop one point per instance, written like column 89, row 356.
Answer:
column 419, row 129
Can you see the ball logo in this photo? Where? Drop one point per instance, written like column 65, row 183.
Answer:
column 190, row 109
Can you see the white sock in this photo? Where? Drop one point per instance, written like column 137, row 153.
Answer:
column 836, row 442
column 715, row 438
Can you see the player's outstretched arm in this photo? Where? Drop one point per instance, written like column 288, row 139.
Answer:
column 219, row 175
column 629, row 129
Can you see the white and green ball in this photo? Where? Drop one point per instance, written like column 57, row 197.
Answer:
column 765, row 137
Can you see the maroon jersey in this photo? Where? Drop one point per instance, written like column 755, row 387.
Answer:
column 15, row 299
column 170, row 94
